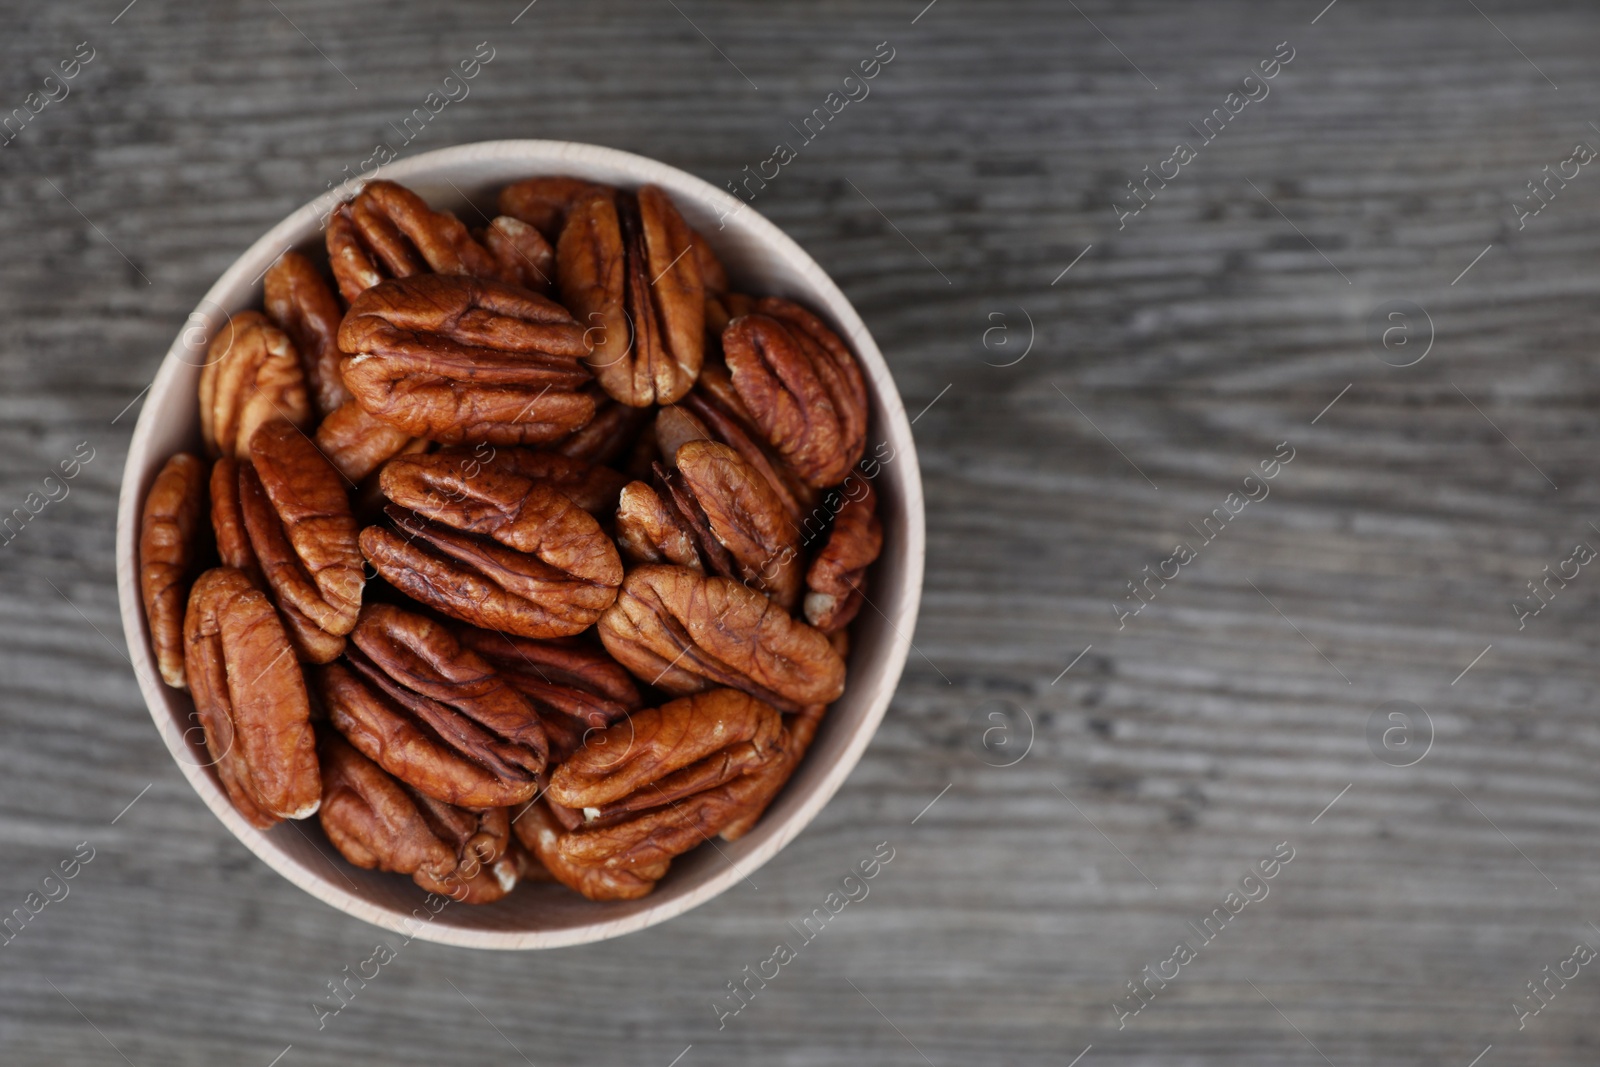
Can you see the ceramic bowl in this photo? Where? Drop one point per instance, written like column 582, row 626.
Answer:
column 760, row 259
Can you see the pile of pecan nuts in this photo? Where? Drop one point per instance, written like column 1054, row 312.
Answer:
column 528, row 554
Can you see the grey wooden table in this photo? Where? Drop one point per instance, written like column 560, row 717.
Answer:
column 1100, row 782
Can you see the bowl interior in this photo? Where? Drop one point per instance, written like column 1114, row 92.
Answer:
column 759, row 259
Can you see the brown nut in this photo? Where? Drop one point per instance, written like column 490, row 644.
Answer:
column 649, row 530
column 434, row 714
column 716, row 406
column 252, row 376
column 592, row 487
column 388, row 231
column 312, row 644
column 576, row 688
column 169, row 548
column 460, row 359
column 662, row 755
column 685, row 633
column 802, row 387
column 744, row 515
column 301, row 528
column 251, row 699
column 524, row 256
column 541, row 834
column 545, row 202
column 501, row 551
column 376, row 821
column 628, row 272
column 834, row 584
column 300, row 304
column 357, row 443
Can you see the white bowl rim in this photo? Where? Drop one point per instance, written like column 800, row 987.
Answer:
column 542, row 157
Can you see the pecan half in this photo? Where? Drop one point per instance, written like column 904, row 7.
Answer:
column 169, row 543
column 388, row 231
column 717, row 408
column 661, row 755
column 357, row 443
column 522, row 252
column 744, row 515
column 434, row 714
column 301, row 527
column 501, row 551
column 649, row 530
column 463, row 359
column 251, row 699
column 592, row 487
column 312, row 644
column 300, row 304
column 685, row 632
column 576, row 688
column 609, row 435
column 802, row 387
column 252, row 376
column 545, row 202
column 834, row 583
column 628, row 271
column 378, row 822
column 541, row 834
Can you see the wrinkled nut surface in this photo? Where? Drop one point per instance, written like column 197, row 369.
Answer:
column 591, row 486
column 628, row 271
column 649, row 531
column 357, row 443
column 169, row 536
column 746, row 518
column 802, row 387
column 545, row 202
column 252, row 376
column 301, row 528
column 388, row 231
column 685, row 632
column 376, row 822
column 497, row 549
column 300, row 304
column 834, row 593
column 251, row 699
column 768, row 781
column 524, row 256
column 460, row 359
column 435, row 715
column 312, row 644
column 715, row 406
column 661, row 755
column 541, row 834
column 576, row 688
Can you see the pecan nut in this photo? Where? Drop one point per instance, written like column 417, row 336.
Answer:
column 834, row 583
column 768, row 781
column 651, row 531
column 463, row 359
column 576, row 688
column 300, row 304
column 251, row 699
column 523, row 254
column 312, row 644
column 252, row 377
column 498, row 550
column 378, row 822
column 388, row 231
column 744, row 530
column 169, row 535
column 545, row 202
column 609, row 435
column 627, row 271
column 541, row 834
column 718, row 414
column 802, row 387
column 685, row 633
column 357, row 443
column 301, row 527
column 662, row 755
column 435, row 715
column 591, row 486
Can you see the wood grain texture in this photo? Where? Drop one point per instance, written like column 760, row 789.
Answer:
column 1177, row 751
